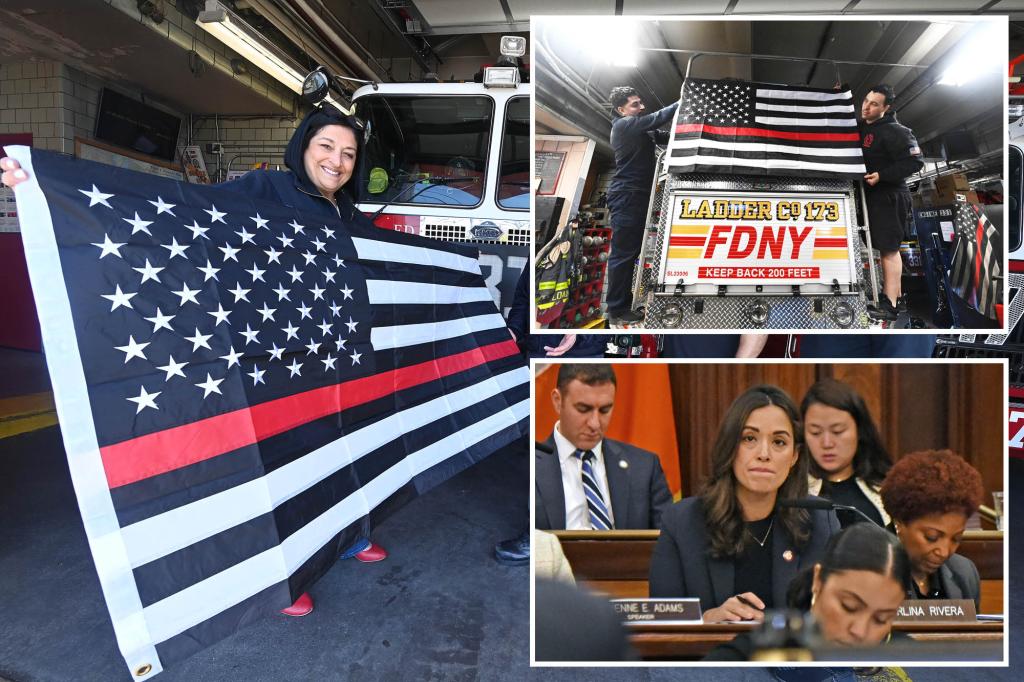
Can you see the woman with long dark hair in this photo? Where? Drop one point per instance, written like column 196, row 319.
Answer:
column 734, row 547
column 848, row 460
column 853, row 592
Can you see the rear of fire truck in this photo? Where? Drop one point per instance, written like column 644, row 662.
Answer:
column 754, row 220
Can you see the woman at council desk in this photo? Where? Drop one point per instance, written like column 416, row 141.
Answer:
column 930, row 495
column 853, row 592
column 733, row 547
column 848, row 460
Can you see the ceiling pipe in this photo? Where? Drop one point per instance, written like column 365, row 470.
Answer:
column 306, row 41
column 332, row 35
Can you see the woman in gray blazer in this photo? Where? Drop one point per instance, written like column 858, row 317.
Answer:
column 734, row 547
column 930, row 495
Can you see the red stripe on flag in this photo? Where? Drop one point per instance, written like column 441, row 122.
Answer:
column 835, row 241
column 758, row 132
column 1016, row 265
column 980, row 229
column 158, row 453
column 686, row 241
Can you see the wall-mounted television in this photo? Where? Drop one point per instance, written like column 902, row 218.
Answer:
column 129, row 123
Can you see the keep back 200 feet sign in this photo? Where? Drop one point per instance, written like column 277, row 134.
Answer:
column 748, row 238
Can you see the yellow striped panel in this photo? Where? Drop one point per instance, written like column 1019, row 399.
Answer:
column 690, row 229
column 831, row 232
column 683, row 252
column 829, row 253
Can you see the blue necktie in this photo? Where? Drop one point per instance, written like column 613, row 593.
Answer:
column 595, row 502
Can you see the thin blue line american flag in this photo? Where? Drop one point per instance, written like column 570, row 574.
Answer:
column 728, row 126
column 240, row 385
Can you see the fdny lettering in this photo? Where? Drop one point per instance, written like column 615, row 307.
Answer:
column 745, row 240
column 727, row 209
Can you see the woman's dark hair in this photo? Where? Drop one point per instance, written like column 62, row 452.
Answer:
column 320, row 117
column 860, row 547
column 872, row 461
column 931, row 482
column 722, row 512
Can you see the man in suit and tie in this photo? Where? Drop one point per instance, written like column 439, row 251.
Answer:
column 584, row 480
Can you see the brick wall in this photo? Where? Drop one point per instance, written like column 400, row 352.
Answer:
column 30, row 94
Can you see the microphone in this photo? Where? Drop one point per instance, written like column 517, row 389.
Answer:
column 545, row 448
column 824, row 503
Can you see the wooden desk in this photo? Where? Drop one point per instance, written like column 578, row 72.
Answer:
column 693, row 642
column 616, row 562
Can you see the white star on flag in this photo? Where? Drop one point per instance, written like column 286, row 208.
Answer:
column 108, row 247
column 173, row 368
column 282, row 293
column 250, row 334
column 355, row 357
column 267, row 313
column 340, row 343
column 239, row 293
column 148, row 273
column 199, row 340
column 132, row 349
column 232, row 357
column 175, row 248
column 96, row 197
column 246, row 236
column 329, row 362
column 144, row 400
column 275, row 352
column 160, row 321
column 215, row 216
column 139, row 225
column 219, row 314
column 298, row 228
column 325, row 327
column 209, row 386
column 313, row 347
column 290, row 332
column 296, row 275
column 273, row 255
column 119, row 299
column 260, row 222
column 351, row 324
column 197, row 231
column 295, row 367
column 304, row 311
column 209, row 271
column 162, row 207
column 309, row 257
column 347, row 292
column 256, row 274
column 257, row 375
column 187, row 294
column 229, row 252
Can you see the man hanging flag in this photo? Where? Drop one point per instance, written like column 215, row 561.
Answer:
column 730, row 126
column 239, row 386
column 975, row 273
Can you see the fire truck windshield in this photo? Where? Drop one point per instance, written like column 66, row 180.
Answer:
column 426, row 150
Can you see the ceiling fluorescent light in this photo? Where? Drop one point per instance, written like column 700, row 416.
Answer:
column 230, row 29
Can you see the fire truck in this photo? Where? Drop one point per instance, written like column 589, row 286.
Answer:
column 731, row 250
column 451, row 161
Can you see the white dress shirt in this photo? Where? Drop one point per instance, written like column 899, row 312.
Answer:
column 577, row 513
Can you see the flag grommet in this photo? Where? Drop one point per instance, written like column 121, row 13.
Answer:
column 143, row 670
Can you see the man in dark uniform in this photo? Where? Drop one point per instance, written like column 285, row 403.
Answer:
column 891, row 153
column 633, row 137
